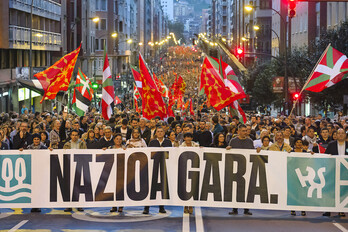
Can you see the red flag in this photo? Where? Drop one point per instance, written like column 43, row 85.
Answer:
column 191, row 108
column 57, row 77
column 137, row 79
column 117, row 101
column 321, row 149
column 218, row 94
column 153, row 104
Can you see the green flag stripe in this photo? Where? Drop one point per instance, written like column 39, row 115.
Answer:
column 329, row 58
column 318, row 80
column 78, row 111
column 213, row 62
column 108, row 82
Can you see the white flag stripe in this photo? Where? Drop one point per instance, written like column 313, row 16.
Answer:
column 107, row 98
column 37, row 84
column 331, row 71
column 106, row 73
column 139, row 84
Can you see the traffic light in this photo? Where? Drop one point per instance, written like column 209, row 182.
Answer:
column 240, row 51
column 295, row 96
column 95, row 85
column 292, row 8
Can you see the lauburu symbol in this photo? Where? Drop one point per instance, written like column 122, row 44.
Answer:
column 19, row 190
column 310, row 179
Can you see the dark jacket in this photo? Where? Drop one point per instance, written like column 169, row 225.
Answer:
column 128, row 134
column 204, row 138
column 323, row 143
column 103, row 143
column 92, row 144
column 156, row 143
column 4, row 146
column 24, row 142
column 146, row 135
column 333, row 150
column 218, row 128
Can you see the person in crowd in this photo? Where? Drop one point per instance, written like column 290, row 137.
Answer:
column 54, row 135
column 204, row 137
column 152, row 127
column 124, row 130
column 172, row 138
column 118, row 144
column 323, row 140
column 279, row 144
column 107, row 140
column 3, row 144
column 258, row 142
column 98, row 132
column 159, row 141
column 310, row 137
column 74, row 143
column 144, row 130
column 219, row 141
column 188, row 137
column 241, row 142
column 44, row 138
column 266, row 142
column 288, row 139
column 136, row 140
column 217, row 127
column 23, row 138
column 91, row 141
column 36, row 145
column 6, row 136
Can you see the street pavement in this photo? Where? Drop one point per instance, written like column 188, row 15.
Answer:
column 132, row 219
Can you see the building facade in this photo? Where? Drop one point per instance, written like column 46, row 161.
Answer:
column 15, row 25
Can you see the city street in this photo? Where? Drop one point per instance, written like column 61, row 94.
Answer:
column 132, row 219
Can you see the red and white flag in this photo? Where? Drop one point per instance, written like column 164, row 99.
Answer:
column 108, row 92
column 117, row 101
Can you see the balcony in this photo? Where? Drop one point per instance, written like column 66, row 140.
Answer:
column 44, row 8
column 19, row 38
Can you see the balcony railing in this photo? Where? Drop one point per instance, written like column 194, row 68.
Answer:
column 19, row 38
column 43, row 8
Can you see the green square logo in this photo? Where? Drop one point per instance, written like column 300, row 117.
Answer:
column 311, row 181
column 15, row 179
column 343, row 182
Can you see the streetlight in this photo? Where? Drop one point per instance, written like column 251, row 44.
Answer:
column 249, row 8
column 95, row 19
column 129, row 41
column 256, row 27
column 114, row 35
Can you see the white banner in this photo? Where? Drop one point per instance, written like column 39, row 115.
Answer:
column 210, row 177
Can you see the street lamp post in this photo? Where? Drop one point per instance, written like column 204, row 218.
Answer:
column 286, row 97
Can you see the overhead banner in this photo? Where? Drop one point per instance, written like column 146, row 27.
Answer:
column 209, row 177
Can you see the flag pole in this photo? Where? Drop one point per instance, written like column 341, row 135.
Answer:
column 308, row 79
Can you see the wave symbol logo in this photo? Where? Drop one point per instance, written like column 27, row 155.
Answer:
column 15, row 179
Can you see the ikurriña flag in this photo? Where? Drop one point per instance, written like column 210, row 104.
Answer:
column 137, row 79
column 152, row 101
column 331, row 69
column 57, row 77
column 108, row 92
column 83, row 94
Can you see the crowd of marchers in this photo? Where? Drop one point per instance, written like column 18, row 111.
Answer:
column 127, row 129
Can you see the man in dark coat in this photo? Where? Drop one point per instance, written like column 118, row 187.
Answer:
column 160, row 141
column 23, row 138
column 338, row 147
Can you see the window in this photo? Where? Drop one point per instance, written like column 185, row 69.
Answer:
column 96, row 25
column 97, row 44
column 102, row 44
column 102, row 24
